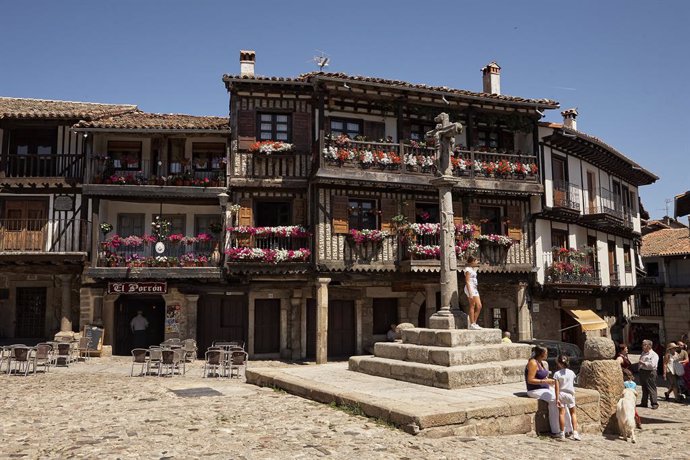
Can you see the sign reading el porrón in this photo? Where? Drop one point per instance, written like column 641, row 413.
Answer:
column 130, row 287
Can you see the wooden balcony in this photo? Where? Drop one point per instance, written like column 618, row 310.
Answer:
column 146, row 178
column 267, row 253
column 415, row 165
column 608, row 213
column 571, row 271
column 275, row 170
column 566, row 199
column 42, row 170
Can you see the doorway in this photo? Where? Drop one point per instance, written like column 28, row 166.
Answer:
column 266, row 326
column 126, row 307
column 341, row 328
column 221, row 318
column 31, row 312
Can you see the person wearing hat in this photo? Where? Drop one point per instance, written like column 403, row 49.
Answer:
column 670, row 371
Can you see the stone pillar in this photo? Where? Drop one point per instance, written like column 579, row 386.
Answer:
column 358, row 326
column 303, row 328
column 322, row 320
column 109, row 319
column 524, row 317
column 66, row 306
column 284, row 329
column 599, row 371
column 250, row 324
column 430, row 300
column 295, row 328
column 192, row 308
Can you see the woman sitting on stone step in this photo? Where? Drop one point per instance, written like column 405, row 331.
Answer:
column 539, row 386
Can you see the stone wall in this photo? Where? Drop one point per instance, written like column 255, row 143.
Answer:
column 676, row 315
column 547, row 321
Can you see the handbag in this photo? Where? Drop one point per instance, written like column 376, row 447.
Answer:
column 678, row 368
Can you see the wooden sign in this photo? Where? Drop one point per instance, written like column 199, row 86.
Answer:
column 63, row 203
column 95, row 336
column 515, row 234
column 144, row 287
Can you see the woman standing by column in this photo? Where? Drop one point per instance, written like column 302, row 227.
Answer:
column 472, row 292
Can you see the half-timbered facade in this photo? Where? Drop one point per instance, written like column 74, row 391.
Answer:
column 587, row 235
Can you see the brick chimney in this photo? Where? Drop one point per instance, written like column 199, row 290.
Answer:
column 569, row 116
column 247, row 60
column 491, row 78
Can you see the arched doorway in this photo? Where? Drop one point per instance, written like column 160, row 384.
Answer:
column 126, row 308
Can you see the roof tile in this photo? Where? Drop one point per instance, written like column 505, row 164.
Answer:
column 158, row 121
column 666, row 242
column 12, row 107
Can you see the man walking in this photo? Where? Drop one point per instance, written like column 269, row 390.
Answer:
column 649, row 361
column 139, row 324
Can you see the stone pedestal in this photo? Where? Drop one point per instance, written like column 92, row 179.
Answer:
column 449, row 319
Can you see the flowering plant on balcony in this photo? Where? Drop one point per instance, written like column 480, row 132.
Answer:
column 160, row 228
column 466, row 248
column 176, row 238
column 193, row 260
column 365, row 236
column 425, row 229
column 499, row 240
column 571, row 253
column 269, row 147
column 268, row 255
column 429, row 251
column 285, row 231
column 466, row 230
column 106, row 228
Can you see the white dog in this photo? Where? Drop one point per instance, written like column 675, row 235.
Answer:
column 625, row 413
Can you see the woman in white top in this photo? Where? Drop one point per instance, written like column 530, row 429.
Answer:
column 472, row 292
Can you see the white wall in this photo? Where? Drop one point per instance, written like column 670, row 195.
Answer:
column 110, row 210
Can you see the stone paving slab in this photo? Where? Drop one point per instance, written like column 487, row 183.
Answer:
column 489, row 410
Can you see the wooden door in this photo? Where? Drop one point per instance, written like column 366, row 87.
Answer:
column 24, row 226
column 30, row 312
column 591, row 192
column 341, row 328
column 221, row 319
column 558, row 173
column 266, row 326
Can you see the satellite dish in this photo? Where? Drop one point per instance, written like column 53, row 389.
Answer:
column 321, row 60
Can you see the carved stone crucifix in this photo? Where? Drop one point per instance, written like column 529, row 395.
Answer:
column 444, row 134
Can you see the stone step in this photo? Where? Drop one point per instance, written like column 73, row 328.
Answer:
column 453, row 377
column 455, row 356
column 450, row 337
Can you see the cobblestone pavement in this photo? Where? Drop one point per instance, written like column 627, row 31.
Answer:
column 95, row 410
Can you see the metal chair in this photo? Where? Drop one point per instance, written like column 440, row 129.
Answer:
column 213, row 361
column 139, row 357
column 5, row 353
column 238, row 360
column 22, row 357
column 44, row 356
column 190, row 349
column 167, row 362
column 64, row 352
column 179, row 360
column 155, row 358
column 83, row 350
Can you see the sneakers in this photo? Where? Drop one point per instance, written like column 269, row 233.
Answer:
column 576, row 436
column 559, row 437
column 475, row 326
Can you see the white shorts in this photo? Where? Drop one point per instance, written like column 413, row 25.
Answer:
column 474, row 292
column 567, row 400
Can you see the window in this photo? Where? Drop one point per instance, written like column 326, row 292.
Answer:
column 418, row 131
column 208, row 156
column 125, row 155
column 130, row 224
column 177, row 223
column 490, row 218
column 500, row 319
column 426, row 213
column 362, row 214
column 627, row 261
column 385, row 314
column 33, row 141
column 352, row 128
column 274, row 127
column 272, row 213
column 204, row 223
column 176, row 157
column 495, row 139
column 559, row 238
column 652, row 268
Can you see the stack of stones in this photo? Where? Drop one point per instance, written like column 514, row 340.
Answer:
column 601, row 372
column 447, row 358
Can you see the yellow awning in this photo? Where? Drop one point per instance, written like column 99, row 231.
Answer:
column 589, row 320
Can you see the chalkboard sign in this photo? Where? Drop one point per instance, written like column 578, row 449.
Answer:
column 95, row 336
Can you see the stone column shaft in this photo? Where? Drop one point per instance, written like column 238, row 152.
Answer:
column 192, row 308
column 66, row 307
column 449, row 262
column 322, row 320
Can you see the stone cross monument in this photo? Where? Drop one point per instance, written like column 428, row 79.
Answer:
column 449, row 316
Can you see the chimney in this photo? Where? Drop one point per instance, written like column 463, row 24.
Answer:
column 569, row 116
column 247, row 60
column 491, row 78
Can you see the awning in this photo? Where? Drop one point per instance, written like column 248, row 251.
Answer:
column 589, row 320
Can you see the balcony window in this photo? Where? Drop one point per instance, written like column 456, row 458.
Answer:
column 176, row 159
column 129, row 224
column 627, row 260
column 274, row 127
column 272, row 213
column 177, row 223
column 207, row 223
column 352, row 128
column 494, row 139
column 125, row 155
column 418, row 131
column 490, row 218
column 33, row 141
column 426, row 213
column 559, row 238
column 208, row 156
column 362, row 215
column 652, row 268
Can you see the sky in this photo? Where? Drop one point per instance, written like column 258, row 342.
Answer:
column 623, row 63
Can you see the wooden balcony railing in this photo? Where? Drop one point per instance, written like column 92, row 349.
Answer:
column 69, row 166
column 250, row 165
column 610, row 204
column 267, row 249
column 44, row 235
column 566, row 195
column 103, row 170
column 175, row 255
column 571, row 267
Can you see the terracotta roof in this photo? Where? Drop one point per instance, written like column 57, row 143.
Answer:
column 563, row 136
column 13, row 107
column 157, row 121
column 315, row 76
column 666, row 242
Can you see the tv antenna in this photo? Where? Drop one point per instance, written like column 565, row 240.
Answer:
column 322, row 59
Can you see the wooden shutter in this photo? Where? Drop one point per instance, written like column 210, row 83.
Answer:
column 246, row 128
column 410, row 211
column 514, row 213
column 389, row 209
column 299, row 213
column 457, row 213
column 301, row 131
column 246, row 216
column 374, row 130
column 339, row 213
column 475, row 216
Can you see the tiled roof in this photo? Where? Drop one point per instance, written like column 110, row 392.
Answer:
column 12, row 107
column 666, row 242
column 157, row 121
column 311, row 76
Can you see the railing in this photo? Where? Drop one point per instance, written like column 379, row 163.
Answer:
column 566, row 195
column 258, row 165
column 44, row 235
column 243, row 248
column 401, row 158
column 649, row 301
column 564, row 266
column 175, row 255
column 614, row 277
column 69, row 166
column 147, row 172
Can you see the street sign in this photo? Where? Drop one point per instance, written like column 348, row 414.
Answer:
column 132, row 287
